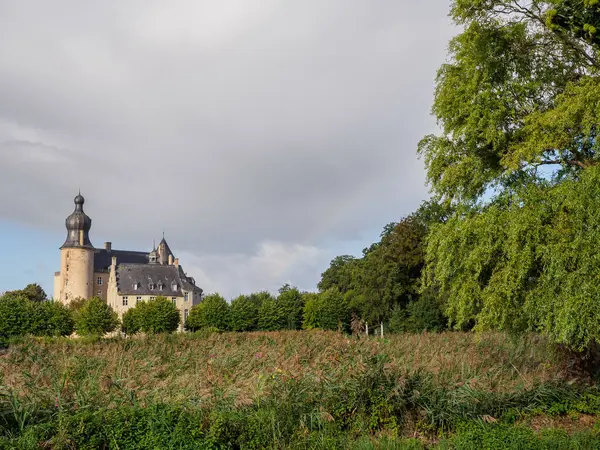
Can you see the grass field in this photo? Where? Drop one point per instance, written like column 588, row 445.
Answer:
column 295, row 389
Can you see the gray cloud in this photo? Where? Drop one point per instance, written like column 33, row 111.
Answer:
column 236, row 126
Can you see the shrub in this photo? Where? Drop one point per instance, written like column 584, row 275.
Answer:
column 95, row 318
column 213, row 311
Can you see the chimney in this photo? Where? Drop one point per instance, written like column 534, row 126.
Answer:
column 108, row 246
column 170, row 260
column 114, row 261
column 176, row 262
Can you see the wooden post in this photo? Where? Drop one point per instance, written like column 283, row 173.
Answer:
column 367, row 328
column 381, row 330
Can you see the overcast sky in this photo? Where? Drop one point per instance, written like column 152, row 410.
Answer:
column 264, row 136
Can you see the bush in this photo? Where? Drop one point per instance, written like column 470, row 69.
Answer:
column 95, row 318
column 213, row 311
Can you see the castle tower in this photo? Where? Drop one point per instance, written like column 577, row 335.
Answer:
column 76, row 277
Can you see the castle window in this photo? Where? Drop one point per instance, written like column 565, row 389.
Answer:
column 186, row 313
column 138, row 299
column 174, row 301
column 185, row 296
column 151, row 286
column 174, row 287
column 66, row 282
column 152, row 298
column 136, row 286
column 125, row 301
column 99, row 281
column 99, row 293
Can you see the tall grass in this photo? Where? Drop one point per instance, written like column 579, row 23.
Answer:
column 273, row 390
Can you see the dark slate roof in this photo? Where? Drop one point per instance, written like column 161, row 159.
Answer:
column 103, row 258
column 147, row 275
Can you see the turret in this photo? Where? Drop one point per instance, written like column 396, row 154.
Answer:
column 76, row 257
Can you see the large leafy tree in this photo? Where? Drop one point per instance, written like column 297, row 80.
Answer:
column 32, row 292
column 243, row 313
column 517, row 103
column 154, row 316
column 95, row 318
column 212, row 312
column 291, row 304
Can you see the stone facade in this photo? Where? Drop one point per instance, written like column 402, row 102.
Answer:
column 119, row 277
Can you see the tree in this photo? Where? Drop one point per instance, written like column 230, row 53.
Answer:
column 32, row 292
column 20, row 316
column 339, row 274
column 243, row 313
column 55, row 319
column 270, row 315
column 155, row 316
column 130, row 322
column 95, row 318
column 517, row 157
column 326, row 310
column 212, row 312
column 497, row 96
column 291, row 306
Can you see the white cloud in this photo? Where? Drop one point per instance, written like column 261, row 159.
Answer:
column 273, row 265
column 231, row 124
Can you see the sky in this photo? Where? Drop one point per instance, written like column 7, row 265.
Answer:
column 265, row 137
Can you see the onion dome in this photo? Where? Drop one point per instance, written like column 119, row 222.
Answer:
column 78, row 225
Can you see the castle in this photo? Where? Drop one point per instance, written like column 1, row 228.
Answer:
column 121, row 278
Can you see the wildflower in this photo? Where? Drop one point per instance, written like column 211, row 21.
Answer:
column 56, row 402
column 259, row 355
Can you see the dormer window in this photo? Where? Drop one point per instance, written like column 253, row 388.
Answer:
column 151, row 286
column 160, row 286
column 136, row 286
column 174, row 287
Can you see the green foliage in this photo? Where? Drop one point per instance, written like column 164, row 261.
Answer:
column 504, row 71
column 243, row 313
column 339, row 274
column 424, row 314
column 130, row 322
column 528, row 261
column 270, row 315
column 213, row 311
column 32, row 292
column 326, row 310
column 20, row 316
column 291, row 305
column 95, row 318
column 398, row 319
column 154, row 316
